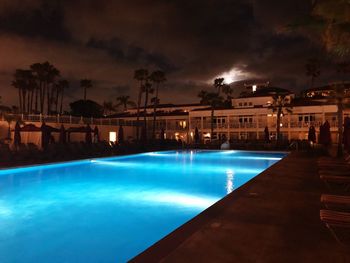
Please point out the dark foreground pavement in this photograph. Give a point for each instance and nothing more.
(273, 218)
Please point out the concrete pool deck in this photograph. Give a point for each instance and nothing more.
(272, 218)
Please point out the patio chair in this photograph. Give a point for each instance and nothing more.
(335, 201)
(334, 219)
(337, 180)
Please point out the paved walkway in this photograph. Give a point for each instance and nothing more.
(273, 218)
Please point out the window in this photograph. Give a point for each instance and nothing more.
(250, 103)
(245, 104)
(112, 136)
(240, 104)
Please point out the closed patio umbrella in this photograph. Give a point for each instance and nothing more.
(267, 134)
(325, 134)
(346, 134)
(196, 135)
(88, 138)
(17, 135)
(312, 134)
(162, 136)
(96, 134)
(63, 137)
(45, 136)
(120, 134)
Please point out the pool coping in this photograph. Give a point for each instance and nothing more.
(174, 239)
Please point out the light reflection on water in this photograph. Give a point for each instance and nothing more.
(111, 209)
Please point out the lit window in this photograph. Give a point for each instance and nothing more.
(254, 88)
(112, 136)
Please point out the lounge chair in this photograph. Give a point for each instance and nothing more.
(335, 219)
(336, 179)
(335, 200)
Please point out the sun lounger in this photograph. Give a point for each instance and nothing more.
(335, 200)
(335, 219)
(336, 179)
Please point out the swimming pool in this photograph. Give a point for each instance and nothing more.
(111, 209)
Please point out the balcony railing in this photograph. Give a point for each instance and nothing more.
(262, 125)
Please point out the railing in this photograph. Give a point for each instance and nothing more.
(71, 120)
(262, 125)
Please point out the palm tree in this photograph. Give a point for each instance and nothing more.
(140, 75)
(45, 75)
(61, 85)
(157, 77)
(52, 74)
(280, 104)
(147, 89)
(218, 84)
(227, 90)
(125, 102)
(108, 108)
(313, 70)
(214, 100)
(85, 84)
(24, 82)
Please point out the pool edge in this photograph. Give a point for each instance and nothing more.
(174, 239)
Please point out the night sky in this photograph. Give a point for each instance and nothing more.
(192, 41)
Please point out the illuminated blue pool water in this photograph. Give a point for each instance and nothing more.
(111, 209)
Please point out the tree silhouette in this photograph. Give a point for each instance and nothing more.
(85, 84)
(61, 86)
(108, 108)
(218, 84)
(147, 89)
(140, 75)
(280, 105)
(125, 102)
(213, 100)
(312, 70)
(157, 77)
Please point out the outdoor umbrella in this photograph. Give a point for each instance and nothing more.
(196, 135)
(17, 135)
(325, 134)
(312, 134)
(120, 134)
(327, 129)
(63, 137)
(96, 135)
(162, 135)
(88, 138)
(346, 134)
(267, 134)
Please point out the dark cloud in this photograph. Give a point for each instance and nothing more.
(45, 20)
(193, 41)
(121, 51)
